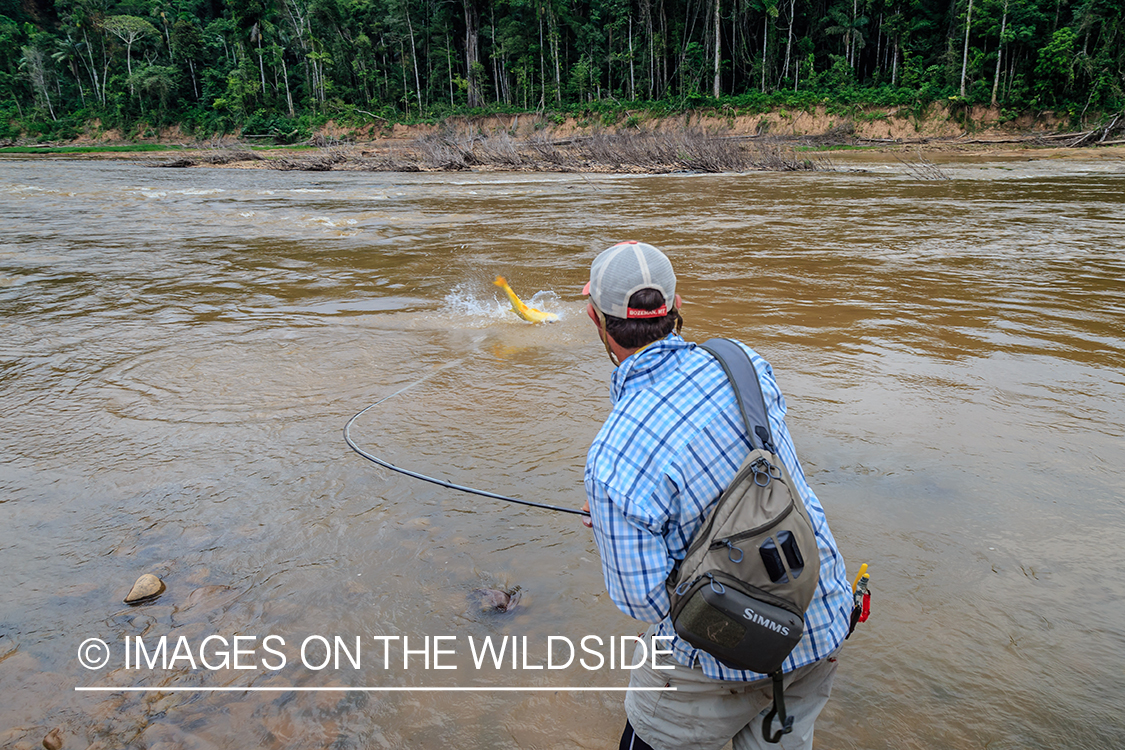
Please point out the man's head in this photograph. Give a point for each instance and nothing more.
(632, 292)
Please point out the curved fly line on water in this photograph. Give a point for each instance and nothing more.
(434, 480)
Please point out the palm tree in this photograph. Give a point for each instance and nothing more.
(850, 28)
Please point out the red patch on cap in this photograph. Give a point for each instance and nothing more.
(659, 312)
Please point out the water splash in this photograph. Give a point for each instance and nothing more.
(468, 301)
(463, 301)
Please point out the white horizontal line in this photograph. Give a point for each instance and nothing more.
(100, 689)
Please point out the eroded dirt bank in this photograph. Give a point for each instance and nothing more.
(712, 141)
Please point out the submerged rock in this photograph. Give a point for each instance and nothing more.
(54, 739)
(496, 600)
(147, 587)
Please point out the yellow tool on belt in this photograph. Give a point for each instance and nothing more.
(861, 599)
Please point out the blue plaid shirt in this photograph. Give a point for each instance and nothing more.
(671, 445)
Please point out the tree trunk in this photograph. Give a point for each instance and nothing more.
(852, 33)
(542, 62)
(37, 72)
(553, 30)
(789, 41)
(965, 55)
(765, 39)
(261, 63)
(632, 74)
(497, 63)
(999, 53)
(414, 57)
(405, 86)
(878, 43)
(472, 51)
(449, 62)
(105, 72)
(288, 93)
(93, 68)
(651, 58)
(715, 87)
(167, 37)
(665, 79)
(894, 65)
(608, 66)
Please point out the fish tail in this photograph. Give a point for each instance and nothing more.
(517, 303)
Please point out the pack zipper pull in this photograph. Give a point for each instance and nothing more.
(762, 468)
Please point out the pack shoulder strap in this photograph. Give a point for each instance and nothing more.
(743, 376)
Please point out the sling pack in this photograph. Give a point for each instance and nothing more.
(751, 570)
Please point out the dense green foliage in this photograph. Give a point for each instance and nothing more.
(279, 68)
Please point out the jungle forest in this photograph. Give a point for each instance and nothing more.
(280, 67)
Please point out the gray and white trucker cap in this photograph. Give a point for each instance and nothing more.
(625, 268)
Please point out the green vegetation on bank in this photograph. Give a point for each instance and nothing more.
(87, 149)
(280, 69)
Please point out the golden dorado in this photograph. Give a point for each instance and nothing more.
(522, 310)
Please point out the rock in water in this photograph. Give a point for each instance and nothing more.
(53, 740)
(495, 600)
(147, 587)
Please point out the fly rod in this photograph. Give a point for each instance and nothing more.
(434, 480)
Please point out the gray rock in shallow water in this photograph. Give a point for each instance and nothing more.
(495, 600)
(147, 587)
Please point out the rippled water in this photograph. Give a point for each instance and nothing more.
(181, 348)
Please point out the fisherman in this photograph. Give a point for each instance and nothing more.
(670, 446)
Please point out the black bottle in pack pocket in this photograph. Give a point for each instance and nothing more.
(771, 558)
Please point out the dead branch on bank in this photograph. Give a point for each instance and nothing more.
(923, 169)
(323, 162)
(229, 157)
(1098, 136)
(687, 151)
(632, 151)
(225, 156)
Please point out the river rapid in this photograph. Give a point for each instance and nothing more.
(180, 350)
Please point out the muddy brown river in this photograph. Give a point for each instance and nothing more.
(180, 350)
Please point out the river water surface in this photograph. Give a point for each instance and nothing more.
(180, 350)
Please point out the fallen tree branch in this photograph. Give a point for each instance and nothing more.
(370, 114)
(1102, 133)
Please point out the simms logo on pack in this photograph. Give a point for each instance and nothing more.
(757, 619)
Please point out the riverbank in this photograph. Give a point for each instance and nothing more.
(711, 141)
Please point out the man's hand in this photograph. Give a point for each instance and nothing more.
(586, 520)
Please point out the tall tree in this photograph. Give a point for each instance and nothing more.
(965, 56)
(999, 52)
(34, 65)
(718, 46)
(473, 65)
(130, 30)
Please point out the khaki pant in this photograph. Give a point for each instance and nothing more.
(705, 713)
